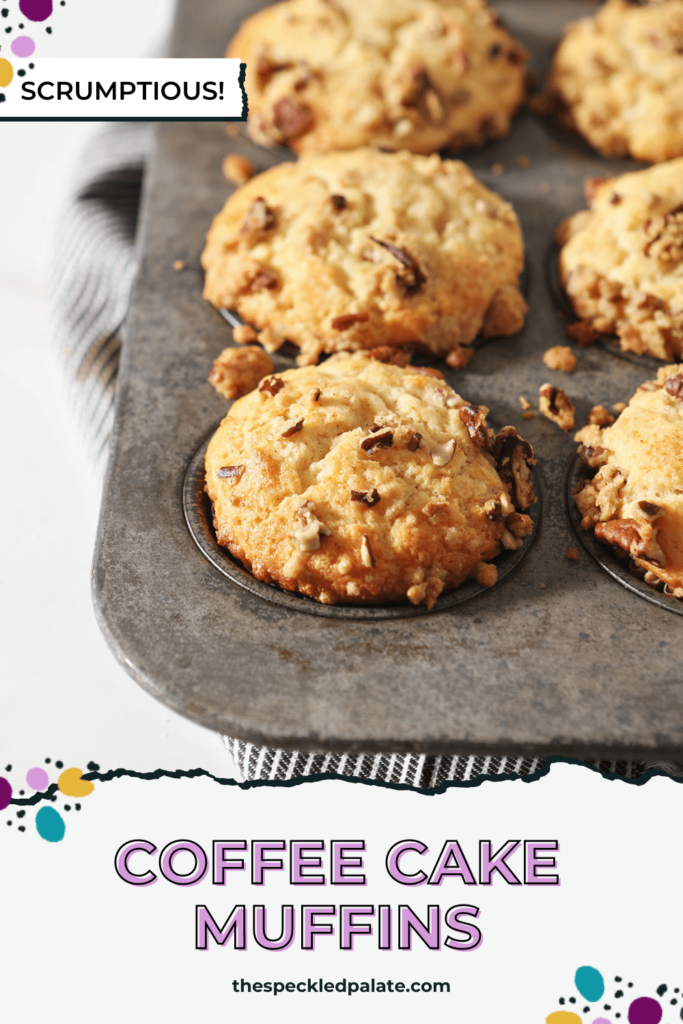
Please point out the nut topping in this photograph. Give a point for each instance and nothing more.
(673, 386)
(411, 278)
(259, 219)
(291, 119)
(475, 421)
(427, 371)
(366, 555)
(387, 354)
(383, 438)
(368, 498)
(634, 537)
(413, 442)
(271, 385)
(650, 510)
(342, 323)
(315, 394)
(459, 357)
(339, 202)
(264, 279)
(231, 473)
(443, 453)
(513, 457)
(556, 406)
(293, 427)
(593, 457)
(494, 511)
(307, 537)
(600, 416)
(519, 525)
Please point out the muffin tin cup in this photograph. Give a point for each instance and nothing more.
(199, 520)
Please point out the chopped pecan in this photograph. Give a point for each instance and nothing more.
(264, 279)
(366, 555)
(514, 456)
(415, 85)
(650, 510)
(271, 385)
(387, 354)
(459, 357)
(623, 533)
(258, 220)
(293, 427)
(383, 438)
(519, 525)
(593, 457)
(368, 498)
(413, 442)
(266, 67)
(231, 473)
(342, 323)
(616, 199)
(307, 536)
(315, 394)
(475, 421)
(443, 453)
(582, 333)
(556, 406)
(673, 386)
(599, 416)
(411, 278)
(292, 119)
(339, 202)
(494, 510)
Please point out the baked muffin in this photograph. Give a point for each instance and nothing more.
(635, 500)
(622, 261)
(410, 74)
(351, 250)
(363, 482)
(617, 78)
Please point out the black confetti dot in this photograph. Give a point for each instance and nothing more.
(54, 799)
(661, 990)
(673, 1002)
(21, 792)
(21, 814)
(607, 1006)
(617, 1015)
(676, 990)
(67, 807)
(49, 31)
(5, 12)
(8, 768)
(92, 767)
(59, 764)
(8, 29)
(2, 97)
(21, 828)
(630, 984)
(9, 822)
(31, 66)
(617, 979)
(561, 1000)
(21, 72)
(21, 26)
(571, 999)
(47, 760)
(586, 1009)
(618, 994)
(78, 807)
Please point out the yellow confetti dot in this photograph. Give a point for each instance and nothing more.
(563, 1017)
(71, 784)
(6, 73)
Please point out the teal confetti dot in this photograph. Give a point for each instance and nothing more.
(50, 825)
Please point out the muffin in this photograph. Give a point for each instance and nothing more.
(617, 78)
(635, 500)
(621, 262)
(358, 482)
(343, 251)
(412, 74)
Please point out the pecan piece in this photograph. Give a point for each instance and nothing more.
(475, 421)
(622, 533)
(342, 323)
(339, 202)
(264, 279)
(413, 442)
(556, 406)
(494, 510)
(366, 555)
(383, 438)
(368, 498)
(231, 473)
(427, 371)
(258, 221)
(443, 453)
(290, 118)
(271, 385)
(293, 427)
(411, 278)
(673, 386)
(595, 457)
(387, 354)
(459, 357)
(514, 456)
(650, 510)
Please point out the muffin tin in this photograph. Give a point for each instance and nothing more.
(557, 658)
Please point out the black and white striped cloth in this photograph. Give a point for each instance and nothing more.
(94, 267)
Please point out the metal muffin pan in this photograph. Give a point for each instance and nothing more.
(559, 658)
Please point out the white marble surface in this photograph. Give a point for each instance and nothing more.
(62, 695)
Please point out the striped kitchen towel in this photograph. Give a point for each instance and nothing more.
(94, 267)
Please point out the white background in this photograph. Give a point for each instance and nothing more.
(78, 945)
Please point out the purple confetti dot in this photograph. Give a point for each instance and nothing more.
(23, 46)
(5, 793)
(644, 1011)
(37, 778)
(36, 10)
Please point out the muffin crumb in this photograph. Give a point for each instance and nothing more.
(238, 169)
(560, 357)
